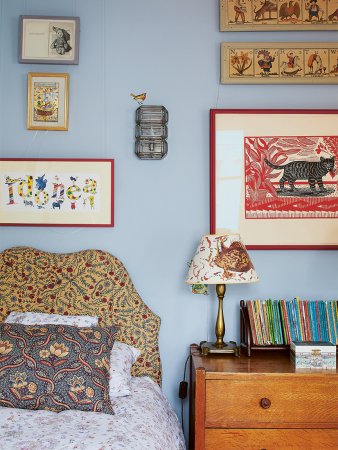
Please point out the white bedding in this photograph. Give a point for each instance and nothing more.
(143, 420)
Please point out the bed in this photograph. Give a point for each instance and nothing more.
(90, 283)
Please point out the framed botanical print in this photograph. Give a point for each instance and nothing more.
(49, 40)
(47, 101)
(273, 177)
(279, 63)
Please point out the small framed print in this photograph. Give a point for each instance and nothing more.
(47, 101)
(57, 192)
(49, 40)
(279, 63)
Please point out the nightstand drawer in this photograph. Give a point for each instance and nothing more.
(272, 401)
(237, 439)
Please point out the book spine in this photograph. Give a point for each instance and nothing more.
(252, 321)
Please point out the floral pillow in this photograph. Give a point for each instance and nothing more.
(123, 356)
(35, 318)
(55, 367)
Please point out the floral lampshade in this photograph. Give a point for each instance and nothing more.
(221, 260)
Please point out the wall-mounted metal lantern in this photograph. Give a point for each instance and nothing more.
(151, 132)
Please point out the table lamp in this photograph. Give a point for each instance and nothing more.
(221, 260)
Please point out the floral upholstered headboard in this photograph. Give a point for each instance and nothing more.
(90, 282)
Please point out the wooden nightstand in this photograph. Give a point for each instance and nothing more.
(261, 402)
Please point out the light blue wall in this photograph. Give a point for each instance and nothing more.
(170, 49)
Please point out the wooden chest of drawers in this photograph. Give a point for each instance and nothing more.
(261, 402)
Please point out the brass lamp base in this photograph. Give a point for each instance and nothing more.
(211, 347)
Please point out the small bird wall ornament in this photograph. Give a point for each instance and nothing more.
(139, 98)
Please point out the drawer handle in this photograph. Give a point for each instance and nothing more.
(265, 403)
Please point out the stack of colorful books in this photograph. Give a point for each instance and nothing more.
(279, 322)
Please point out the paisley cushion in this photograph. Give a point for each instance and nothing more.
(123, 356)
(55, 367)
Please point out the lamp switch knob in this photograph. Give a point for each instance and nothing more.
(183, 389)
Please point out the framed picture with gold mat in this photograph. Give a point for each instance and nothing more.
(47, 101)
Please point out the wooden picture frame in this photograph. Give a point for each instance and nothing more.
(47, 101)
(279, 63)
(57, 192)
(271, 206)
(278, 15)
(49, 39)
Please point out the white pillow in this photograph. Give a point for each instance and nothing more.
(122, 356)
(34, 318)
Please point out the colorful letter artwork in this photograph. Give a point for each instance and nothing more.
(56, 192)
(291, 177)
(67, 192)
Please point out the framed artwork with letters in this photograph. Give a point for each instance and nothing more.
(57, 192)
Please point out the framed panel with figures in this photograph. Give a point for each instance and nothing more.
(279, 63)
(274, 15)
(274, 178)
(57, 192)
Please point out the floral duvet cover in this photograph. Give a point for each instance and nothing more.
(143, 420)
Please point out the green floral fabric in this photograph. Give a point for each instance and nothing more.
(55, 367)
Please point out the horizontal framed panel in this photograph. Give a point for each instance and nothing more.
(278, 15)
(279, 63)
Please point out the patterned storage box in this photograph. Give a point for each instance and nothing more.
(313, 355)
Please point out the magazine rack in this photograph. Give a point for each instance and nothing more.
(246, 341)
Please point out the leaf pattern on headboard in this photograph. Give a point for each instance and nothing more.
(90, 282)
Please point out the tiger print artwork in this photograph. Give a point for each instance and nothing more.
(312, 171)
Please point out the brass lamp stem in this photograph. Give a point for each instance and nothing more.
(219, 328)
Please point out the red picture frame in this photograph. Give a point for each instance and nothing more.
(273, 206)
(57, 192)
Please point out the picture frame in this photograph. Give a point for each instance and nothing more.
(49, 39)
(278, 15)
(57, 192)
(271, 206)
(47, 101)
(279, 63)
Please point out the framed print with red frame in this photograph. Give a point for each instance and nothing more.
(57, 192)
(273, 177)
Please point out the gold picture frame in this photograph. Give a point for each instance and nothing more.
(47, 101)
(279, 63)
(278, 15)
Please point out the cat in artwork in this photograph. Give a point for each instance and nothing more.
(313, 171)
